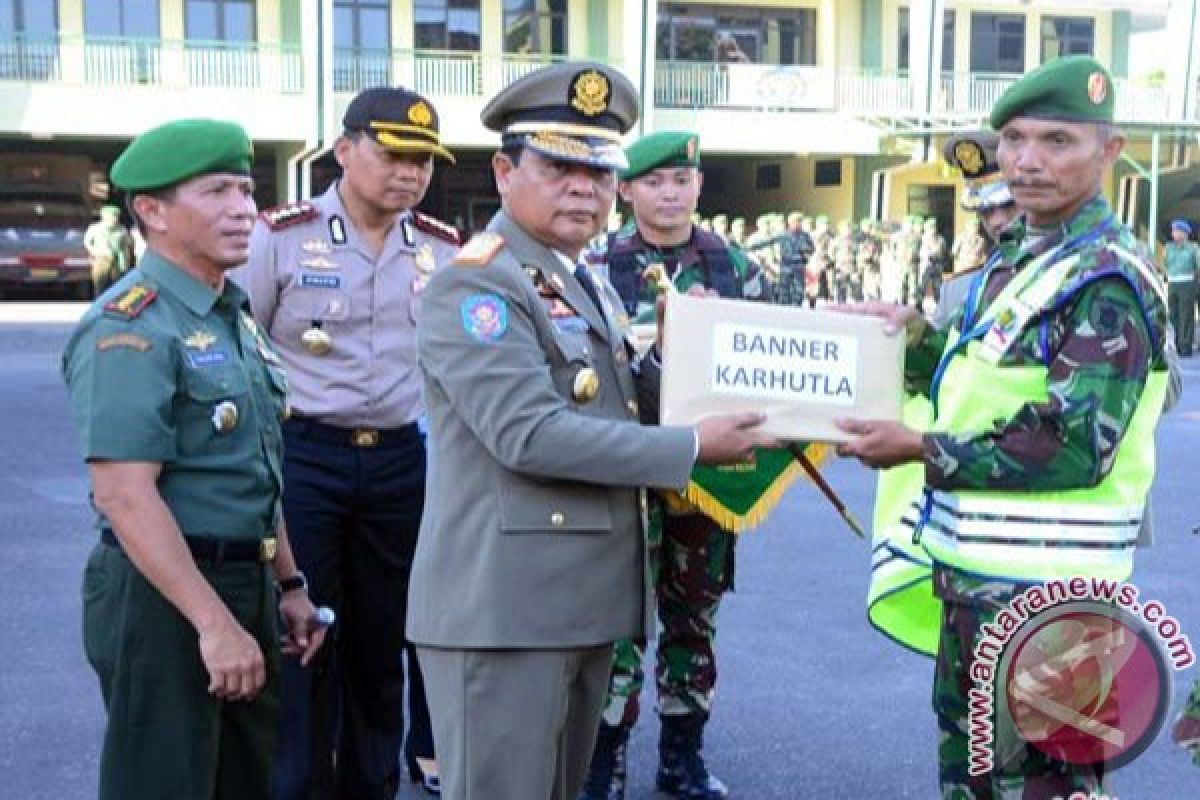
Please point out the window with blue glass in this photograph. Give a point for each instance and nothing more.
(362, 40)
(446, 24)
(219, 20)
(28, 40)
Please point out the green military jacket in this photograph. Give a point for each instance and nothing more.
(163, 368)
(1182, 262)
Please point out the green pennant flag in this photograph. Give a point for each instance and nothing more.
(740, 496)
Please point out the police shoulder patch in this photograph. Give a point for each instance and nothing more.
(133, 302)
(435, 227)
(287, 215)
(479, 251)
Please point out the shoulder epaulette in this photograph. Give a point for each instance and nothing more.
(289, 214)
(435, 227)
(479, 251)
(133, 302)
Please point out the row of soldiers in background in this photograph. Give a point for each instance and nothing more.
(804, 260)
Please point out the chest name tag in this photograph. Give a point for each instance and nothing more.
(321, 281)
(206, 358)
(570, 324)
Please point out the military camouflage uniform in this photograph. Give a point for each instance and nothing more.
(845, 249)
(795, 248)
(694, 564)
(1098, 353)
(1191, 709)
(866, 260)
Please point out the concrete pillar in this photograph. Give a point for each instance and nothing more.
(925, 52)
(1180, 34)
(71, 41)
(491, 45)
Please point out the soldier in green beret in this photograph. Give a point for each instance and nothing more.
(178, 399)
(1046, 389)
(693, 555)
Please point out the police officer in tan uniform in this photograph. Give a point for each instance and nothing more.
(532, 559)
(337, 283)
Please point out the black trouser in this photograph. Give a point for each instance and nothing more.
(1181, 299)
(352, 515)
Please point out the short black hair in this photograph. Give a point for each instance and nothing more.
(166, 193)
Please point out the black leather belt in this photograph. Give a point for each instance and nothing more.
(206, 548)
(310, 430)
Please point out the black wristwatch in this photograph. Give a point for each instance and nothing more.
(297, 581)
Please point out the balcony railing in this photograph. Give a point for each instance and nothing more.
(695, 85)
(438, 73)
(154, 62)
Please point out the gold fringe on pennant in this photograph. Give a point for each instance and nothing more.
(696, 498)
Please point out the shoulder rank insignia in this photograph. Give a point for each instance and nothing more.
(435, 227)
(288, 214)
(133, 302)
(480, 251)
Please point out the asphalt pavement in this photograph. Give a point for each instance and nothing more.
(811, 702)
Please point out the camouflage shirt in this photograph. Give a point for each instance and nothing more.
(1097, 347)
(684, 263)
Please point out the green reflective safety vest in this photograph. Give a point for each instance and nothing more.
(1009, 535)
(900, 600)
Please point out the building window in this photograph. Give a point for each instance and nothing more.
(737, 34)
(446, 25)
(28, 40)
(362, 43)
(997, 42)
(219, 20)
(35, 20)
(362, 25)
(903, 45)
(827, 172)
(125, 18)
(768, 176)
(1067, 36)
(535, 27)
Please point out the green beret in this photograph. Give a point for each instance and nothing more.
(176, 151)
(1073, 89)
(661, 149)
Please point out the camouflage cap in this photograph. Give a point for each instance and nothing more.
(400, 120)
(575, 111)
(1072, 88)
(176, 151)
(661, 149)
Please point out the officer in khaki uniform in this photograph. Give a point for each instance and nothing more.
(337, 284)
(178, 399)
(532, 555)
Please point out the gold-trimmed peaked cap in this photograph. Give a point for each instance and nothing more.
(398, 119)
(974, 154)
(575, 111)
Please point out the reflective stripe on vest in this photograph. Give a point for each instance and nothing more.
(901, 603)
(1035, 535)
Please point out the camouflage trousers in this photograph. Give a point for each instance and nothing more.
(692, 568)
(1022, 772)
(1192, 709)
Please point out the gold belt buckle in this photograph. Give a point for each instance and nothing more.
(365, 437)
(267, 549)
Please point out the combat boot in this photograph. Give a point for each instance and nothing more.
(606, 777)
(681, 769)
